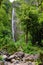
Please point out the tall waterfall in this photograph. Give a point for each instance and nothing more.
(13, 24)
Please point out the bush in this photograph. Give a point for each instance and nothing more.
(1, 58)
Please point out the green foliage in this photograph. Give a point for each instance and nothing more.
(5, 26)
(31, 21)
(9, 47)
(28, 48)
(1, 58)
(28, 17)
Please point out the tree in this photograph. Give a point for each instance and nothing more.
(28, 17)
(41, 29)
(5, 23)
(1, 1)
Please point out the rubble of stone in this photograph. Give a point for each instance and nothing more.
(20, 58)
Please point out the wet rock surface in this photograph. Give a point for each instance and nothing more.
(20, 58)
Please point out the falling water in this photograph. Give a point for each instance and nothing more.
(13, 24)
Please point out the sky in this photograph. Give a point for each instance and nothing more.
(11, 0)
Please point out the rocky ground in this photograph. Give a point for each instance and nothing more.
(19, 58)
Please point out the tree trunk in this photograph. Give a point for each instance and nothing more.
(26, 36)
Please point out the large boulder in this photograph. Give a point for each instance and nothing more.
(28, 58)
(20, 54)
(1, 63)
(31, 57)
(4, 56)
(16, 56)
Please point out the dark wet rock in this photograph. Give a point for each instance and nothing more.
(11, 57)
(8, 60)
(41, 64)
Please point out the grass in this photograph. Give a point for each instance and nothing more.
(21, 46)
(28, 48)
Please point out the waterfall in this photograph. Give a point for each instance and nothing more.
(13, 24)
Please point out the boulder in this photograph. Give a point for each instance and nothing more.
(33, 63)
(20, 54)
(5, 63)
(16, 62)
(1, 63)
(41, 64)
(22, 63)
(31, 57)
(36, 56)
(16, 56)
(12, 60)
(11, 57)
(4, 56)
